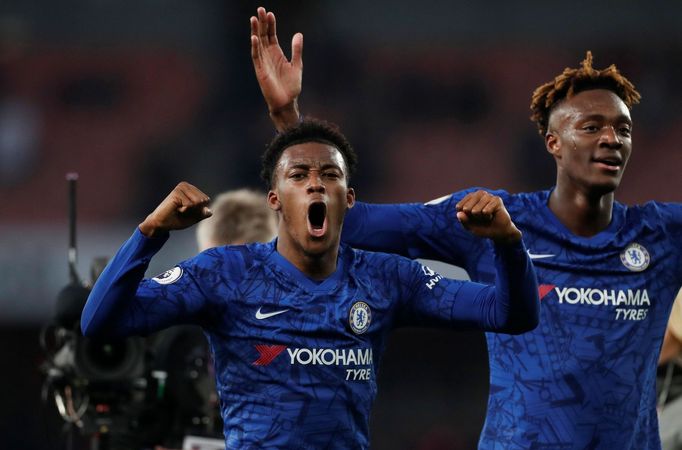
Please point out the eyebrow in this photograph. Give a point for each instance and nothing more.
(307, 166)
(619, 118)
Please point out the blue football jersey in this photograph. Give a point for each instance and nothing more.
(585, 377)
(296, 358)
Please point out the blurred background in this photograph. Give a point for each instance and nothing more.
(434, 95)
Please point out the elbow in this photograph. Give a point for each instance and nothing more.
(90, 329)
(521, 323)
(521, 326)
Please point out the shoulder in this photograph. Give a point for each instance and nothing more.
(234, 258)
(382, 265)
(653, 214)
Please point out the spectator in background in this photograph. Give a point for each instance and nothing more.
(239, 217)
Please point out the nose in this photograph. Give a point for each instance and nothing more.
(609, 137)
(315, 183)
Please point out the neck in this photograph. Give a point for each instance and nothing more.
(317, 266)
(583, 214)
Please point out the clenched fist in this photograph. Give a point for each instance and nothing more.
(182, 208)
(484, 215)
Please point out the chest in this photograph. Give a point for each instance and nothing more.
(343, 314)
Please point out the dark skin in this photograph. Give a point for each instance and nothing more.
(182, 208)
(280, 82)
(588, 134)
(315, 173)
(306, 174)
(590, 137)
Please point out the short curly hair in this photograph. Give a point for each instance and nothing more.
(307, 130)
(573, 81)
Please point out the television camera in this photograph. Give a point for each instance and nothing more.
(134, 393)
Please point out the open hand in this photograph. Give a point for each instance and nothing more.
(279, 79)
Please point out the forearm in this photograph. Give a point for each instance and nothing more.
(517, 304)
(376, 228)
(114, 292)
(285, 117)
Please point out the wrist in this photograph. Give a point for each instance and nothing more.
(285, 117)
(510, 240)
(149, 228)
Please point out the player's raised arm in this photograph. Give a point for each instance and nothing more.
(121, 303)
(510, 306)
(182, 208)
(279, 79)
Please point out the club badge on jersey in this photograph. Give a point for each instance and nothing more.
(635, 257)
(360, 317)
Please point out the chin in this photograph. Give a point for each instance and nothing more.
(317, 246)
(606, 187)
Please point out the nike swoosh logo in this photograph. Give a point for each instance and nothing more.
(261, 316)
(539, 255)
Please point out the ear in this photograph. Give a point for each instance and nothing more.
(273, 201)
(350, 197)
(553, 144)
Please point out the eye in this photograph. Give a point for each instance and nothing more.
(297, 176)
(331, 175)
(625, 131)
(591, 128)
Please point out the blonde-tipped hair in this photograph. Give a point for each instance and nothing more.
(239, 217)
(573, 81)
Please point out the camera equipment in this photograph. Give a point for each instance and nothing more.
(129, 393)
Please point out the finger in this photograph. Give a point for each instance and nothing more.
(191, 197)
(255, 51)
(253, 22)
(297, 51)
(468, 202)
(492, 206)
(463, 218)
(272, 29)
(195, 195)
(183, 200)
(481, 203)
(262, 25)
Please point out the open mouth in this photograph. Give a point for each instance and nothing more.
(317, 219)
(610, 163)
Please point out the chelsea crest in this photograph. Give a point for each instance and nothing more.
(635, 257)
(360, 317)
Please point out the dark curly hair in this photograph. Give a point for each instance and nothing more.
(307, 130)
(573, 81)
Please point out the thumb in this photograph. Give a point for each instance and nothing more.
(462, 217)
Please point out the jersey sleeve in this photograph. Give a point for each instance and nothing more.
(415, 230)
(510, 306)
(122, 303)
